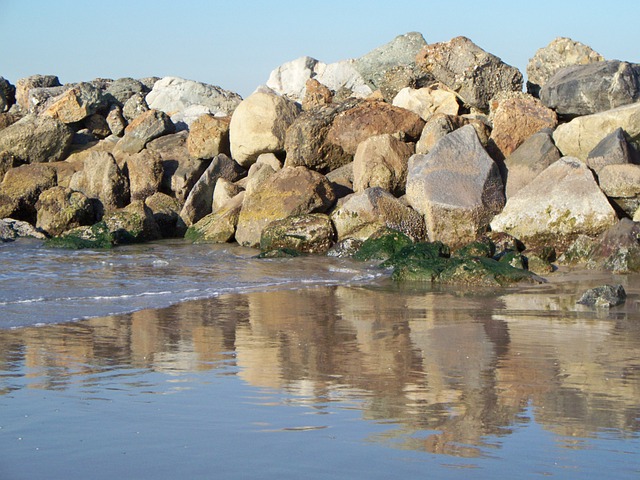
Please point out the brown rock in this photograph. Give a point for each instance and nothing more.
(60, 209)
(145, 174)
(166, 213)
(316, 94)
(35, 139)
(23, 86)
(144, 128)
(220, 226)
(307, 233)
(209, 136)
(20, 189)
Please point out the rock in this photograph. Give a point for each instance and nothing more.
(7, 95)
(209, 136)
(605, 296)
(9, 118)
(360, 214)
(596, 87)
(427, 101)
(612, 150)
(135, 106)
(525, 163)
(342, 180)
(76, 104)
(620, 180)
(290, 191)
(145, 174)
(316, 95)
(60, 209)
(200, 200)
(371, 118)
(382, 245)
(20, 189)
(343, 80)
(345, 248)
(392, 66)
(306, 233)
(132, 224)
(560, 53)
(116, 121)
(36, 139)
(102, 181)
(7, 162)
(166, 213)
(144, 128)
(562, 202)
(515, 119)
(475, 75)
(581, 135)
(121, 90)
(220, 226)
(223, 192)
(290, 79)
(23, 86)
(39, 99)
(382, 161)
(457, 187)
(258, 174)
(11, 230)
(172, 94)
(617, 249)
(306, 141)
(97, 126)
(440, 125)
(258, 125)
(97, 236)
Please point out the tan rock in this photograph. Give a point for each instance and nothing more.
(220, 226)
(316, 94)
(145, 174)
(209, 136)
(21, 187)
(428, 101)
(223, 192)
(61, 209)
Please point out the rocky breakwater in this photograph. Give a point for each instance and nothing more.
(432, 145)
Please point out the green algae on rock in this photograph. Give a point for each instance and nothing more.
(382, 245)
(96, 236)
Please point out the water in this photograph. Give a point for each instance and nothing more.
(314, 368)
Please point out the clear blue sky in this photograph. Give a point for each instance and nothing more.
(235, 44)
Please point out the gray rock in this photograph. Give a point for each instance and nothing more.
(36, 139)
(290, 78)
(135, 106)
(587, 89)
(60, 209)
(613, 149)
(307, 233)
(76, 103)
(7, 95)
(120, 91)
(146, 127)
(11, 229)
(24, 85)
(223, 192)
(166, 213)
(605, 296)
(621, 184)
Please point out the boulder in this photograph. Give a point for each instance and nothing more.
(20, 189)
(97, 126)
(596, 87)
(516, 118)
(560, 53)
(132, 224)
(290, 191)
(342, 180)
(166, 213)
(614, 149)
(144, 128)
(258, 125)
(290, 78)
(7, 95)
(440, 125)
(116, 121)
(457, 187)
(102, 181)
(145, 174)
(135, 106)
(9, 118)
(562, 202)
(209, 136)
(172, 94)
(35, 139)
(382, 161)
(200, 200)
(525, 163)
(343, 80)
(121, 90)
(360, 214)
(76, 104)
(7, 162)
(39, 99)
(24, 85)
(11, 230)
(219, 226)
(427, 101)
(60, 209)
(316, 95)
(604, 296)
(306, 233)
(475, 75)
(581, 135)
(223, 192)
(306, 141)
(371, 118)
(96, 236)
(621, 183)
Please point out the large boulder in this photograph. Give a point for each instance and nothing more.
(290, 191)
(145, 174)
(614, 149)
(560, 53)
(7, 95)
(456, 186)
(60, 209)
(382, 161)
(20, 189)
(441, 124)
(477, 76)
(427, 101)
(172, 95)
(219, 226)
(290, 78)
(209, 136)
(35, 139)
(596, 87)
(144, 128)
(24, 85)
(166, 212)
(370, 118)
(621, 183)
(561, 203)
(121, 90)
(343, 80)
(581, 135)
(76, 104)
(361, 214)
(132, 224)
(258, 125)
(306, 233)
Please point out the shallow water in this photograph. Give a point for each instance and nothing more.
(360, 381)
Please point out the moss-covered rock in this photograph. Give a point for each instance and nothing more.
(96, 236)
(382, 245)
(307, 233)
(279, 253)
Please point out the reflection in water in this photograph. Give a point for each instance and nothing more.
(447, 373)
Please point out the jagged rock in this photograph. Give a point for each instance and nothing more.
(121, 90)
(76, 104)
(35, 139)
(371, 118)
(145, 174)
(457, 187)
(7, 95)
(220, 226)
(612, 150)
(307, 233)
(596, 87)
(209, 136)
(621, 183)
(360, 214)
(342, 180)
(382, 161)
(562, 202)
(290, 191)
(440, 125)
(144, 128)
(135, 106)
(604, 296)
(39, 99)
(20, 189)
(560, 53)
(316, 95)
(9, 118)
(525, 163)
(477, 76)
(343, 80)
(427, 101)
(258, 125)
(200, 200)
(116, 121)
(11, 230)
(223, 192)
(290, 78)
(166, 213)
(97, 126)
(60, 209)
(132, 224)
(581, 135)
(23, 86)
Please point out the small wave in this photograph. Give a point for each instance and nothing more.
(27, 300)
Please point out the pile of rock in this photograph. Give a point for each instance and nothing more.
(436, 141)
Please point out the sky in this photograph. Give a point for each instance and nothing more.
(235, 44)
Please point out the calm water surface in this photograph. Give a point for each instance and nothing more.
(354, 382)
